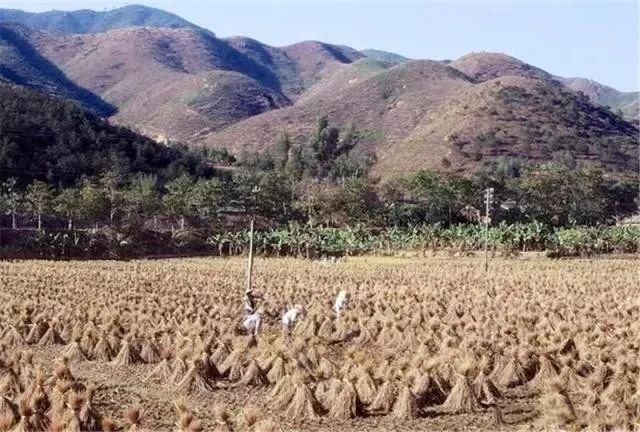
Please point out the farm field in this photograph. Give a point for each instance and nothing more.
(426, 344)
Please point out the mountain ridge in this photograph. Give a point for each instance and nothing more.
(89, 21)
(186, 84)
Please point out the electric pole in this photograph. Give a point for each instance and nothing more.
(488, 200)
(254, 194)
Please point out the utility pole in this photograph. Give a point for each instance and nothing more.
(250, 262)
(254, 194)
(488, 200)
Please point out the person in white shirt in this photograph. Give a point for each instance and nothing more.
(252, 323)
(250, 301)
(290, 317)
(340, 304)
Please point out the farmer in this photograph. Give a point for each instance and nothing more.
(253, 322)
(340, 304)
(290, 317)
(250, 301)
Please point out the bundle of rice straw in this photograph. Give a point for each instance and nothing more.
(196, 380)
(127, 354)
(253, 375)
(462, 398)
(385, 398)
(149, 353)
(547, 372)
(405, 406)
(485, 390)
(102, 350)
(365, 387)
(345, 405)
(555, 405)
(282, 393)
(277, 369)
(303, 405)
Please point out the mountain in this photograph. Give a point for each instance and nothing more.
(21, 64)
(297, 66)
(486, 66)
(88, 21)
(59, 142)
(626, 102)
(166, 82)
(180, 83)
(427, 114)
(384, 56)
(186, 84)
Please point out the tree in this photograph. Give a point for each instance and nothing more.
(111, 182)
(141, 198)
(68, 204)
(11, 200)
(177, 199)
(560, 196)
(283, 147)
(38, 199)
(275, 196)
(360, 201)
(441, 196)
(206, 198)
(93, 202)
(324, 144)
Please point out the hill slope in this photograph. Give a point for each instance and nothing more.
(384, 56)
(485, 66)
(89, 21)
(57, 141)
(627, 102)
(21, 64)
(517, 117)
(169, 82)
(427, 114)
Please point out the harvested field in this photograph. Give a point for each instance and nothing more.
(426, 344)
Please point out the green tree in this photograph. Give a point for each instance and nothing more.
(141, 198)
(275, 199)
(324, 145)
(11, 200)
(560, 196)
(283, 147)
(206, 199)
(441, 196)
(38, 199)
(68, 204)
(111, 182)
(360, 201)
(177, 199)
(93, 202)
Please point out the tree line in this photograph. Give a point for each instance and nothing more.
(550, 194)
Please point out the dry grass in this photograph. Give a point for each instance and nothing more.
(427, 344)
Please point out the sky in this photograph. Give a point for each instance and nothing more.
(592, 39)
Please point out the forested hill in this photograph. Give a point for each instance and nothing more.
(44, 138)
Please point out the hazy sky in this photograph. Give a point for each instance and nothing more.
(596, 39)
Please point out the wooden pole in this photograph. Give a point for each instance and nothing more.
(250, 261)
(488, 197)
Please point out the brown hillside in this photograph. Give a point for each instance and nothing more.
(171, 82)
(297, 66)
(23, 65)
(386, 102)
(517, 117)
(486, 66)
(426, 114)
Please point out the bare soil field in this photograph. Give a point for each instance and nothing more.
(426, 344)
